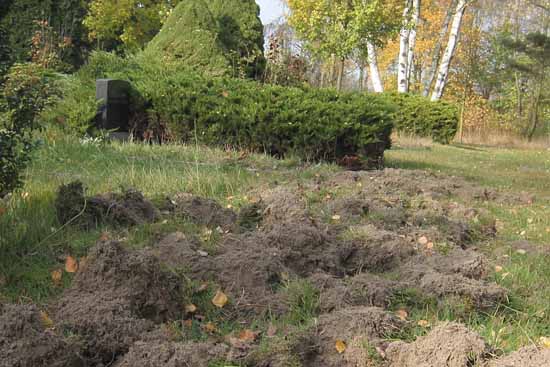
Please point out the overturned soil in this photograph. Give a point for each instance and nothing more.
(361, 245)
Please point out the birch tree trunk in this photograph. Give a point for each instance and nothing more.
(340, 78)
(443, 71)
(373, 66)
(402, 82)
(361, 76)
(429, 79)
(412, 40)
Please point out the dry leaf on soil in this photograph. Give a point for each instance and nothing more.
(191, 308)
(82, 262)
(46, 320)
(545, 341)
(271, 331)
(423, 240)
(188, 323)
(340, 346)
(71, 265)
(402, 314)
(220, 299)
(423, 323)
(56, 276)
(210, 327)
(247, 335)
(203, 287)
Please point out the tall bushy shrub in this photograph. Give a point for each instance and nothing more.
(241, 34)
(215, 37)
(418, 116)
(5, 54)
(29, 88)
(190, 37)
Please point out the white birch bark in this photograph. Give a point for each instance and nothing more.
(402, 82)
(373, 66)
(436, 55)
(443, 71)
(412, 39)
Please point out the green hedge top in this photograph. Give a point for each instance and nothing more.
(314, 124)
(418, 116)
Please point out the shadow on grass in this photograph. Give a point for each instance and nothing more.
(468, 147)
(416, 165)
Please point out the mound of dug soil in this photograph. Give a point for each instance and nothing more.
(203, 211)
(354, 328)
(25, 340)
(373, 241)
(526, 357)
(172, 354)
(450, 345)
(117, 297)
(121, 209)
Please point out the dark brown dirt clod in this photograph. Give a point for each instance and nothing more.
(123, 209)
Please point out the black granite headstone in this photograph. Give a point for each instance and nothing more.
(114, 108)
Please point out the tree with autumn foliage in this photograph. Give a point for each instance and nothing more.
(131, 23)
(333, 30)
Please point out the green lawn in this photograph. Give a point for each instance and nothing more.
(32, 242)
(526, 276)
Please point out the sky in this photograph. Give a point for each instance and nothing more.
(270, 10)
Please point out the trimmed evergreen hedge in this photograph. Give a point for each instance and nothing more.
(314, 124)
(418, 116)
(181, 105)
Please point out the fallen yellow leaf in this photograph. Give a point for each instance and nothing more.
(220, 299)
(340, 346)
(191, 308)
(71, 265)
(56, 276)
(336, 217)
(82, 262)
(430, 245)
(545, 341)
(402, 314)
(423, 240)
(423, 323)
(188, 323)
(46, 320)
(210, 327)
(271, 331)
(498, 268)
(203, 287)
(247, 335)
